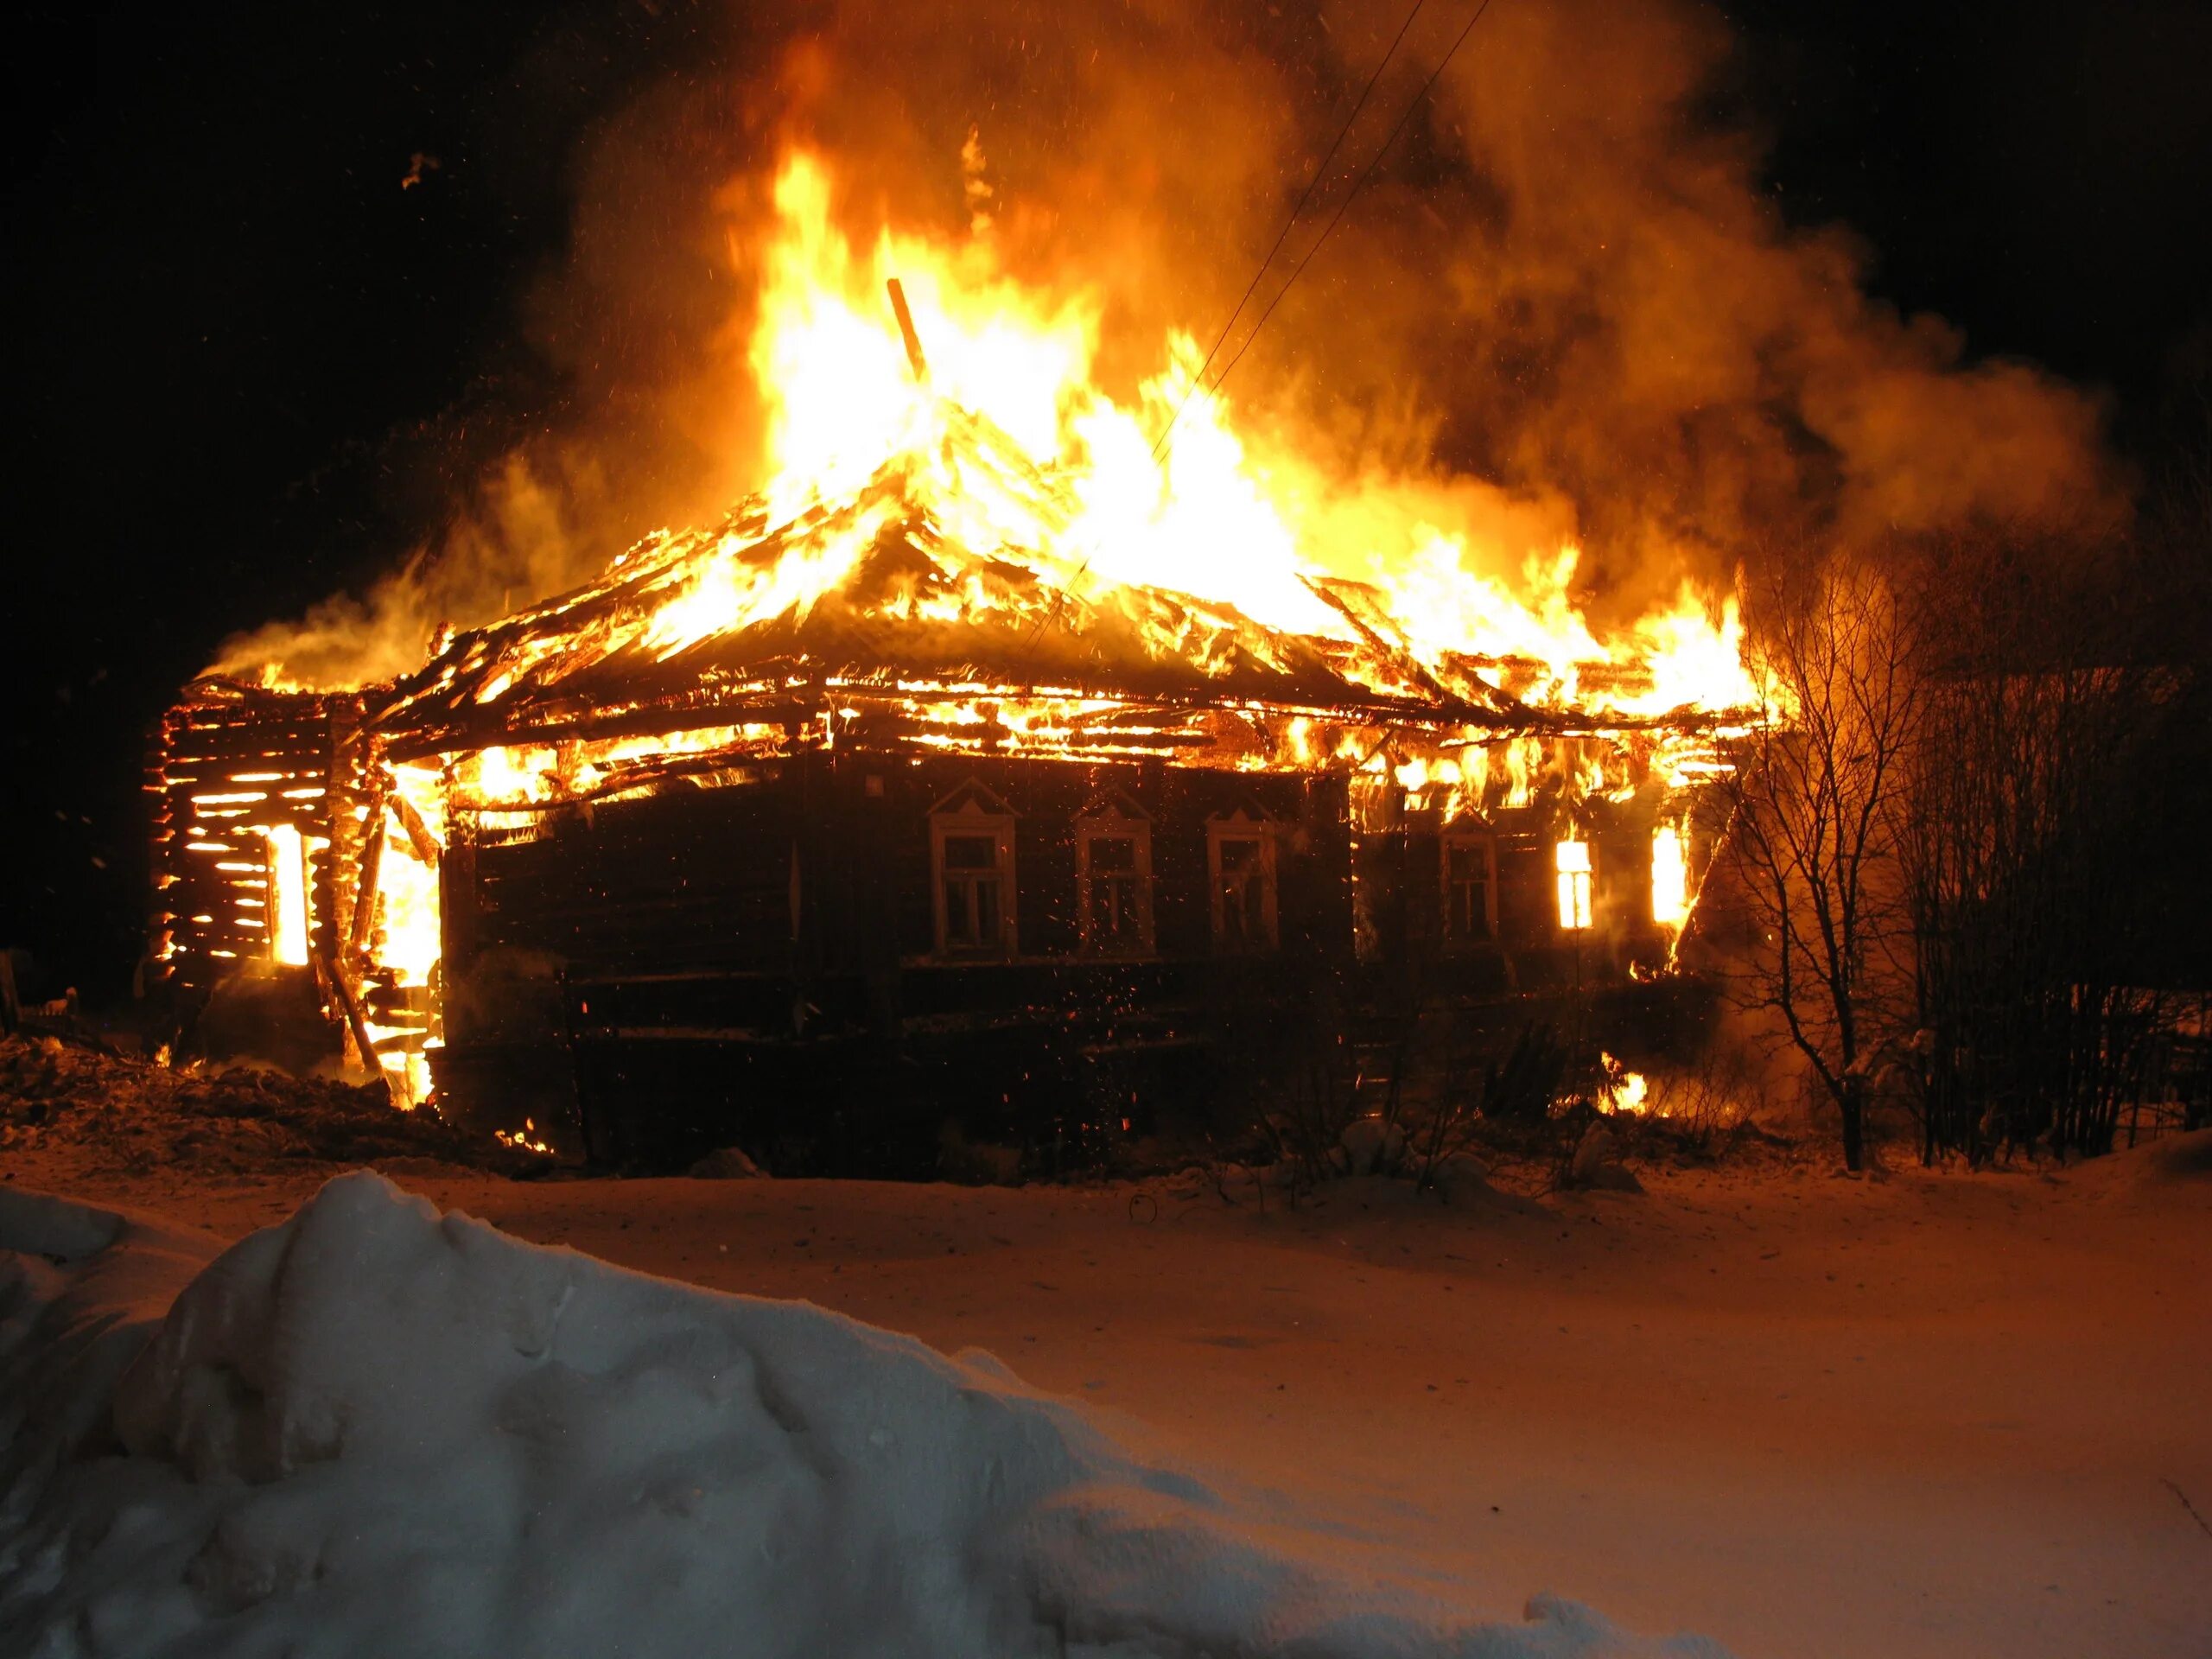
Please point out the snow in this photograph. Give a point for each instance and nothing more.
(377, 1429)
(1918, 1415)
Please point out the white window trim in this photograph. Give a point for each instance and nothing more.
(1241, 826)
(1109, 821)
(970, 819)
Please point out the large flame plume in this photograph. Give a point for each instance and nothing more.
(979, 391)
(1566, 317)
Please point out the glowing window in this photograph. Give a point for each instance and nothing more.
(1571, 859)
(1670, 878)
(287, 894)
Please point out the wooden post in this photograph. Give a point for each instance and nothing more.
(356, 1021)
(361, 931)
(418, 833)
(906, 331)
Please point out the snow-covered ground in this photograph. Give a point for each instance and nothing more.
(1920, 1415)
(376, 1429)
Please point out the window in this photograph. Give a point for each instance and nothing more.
(1470, 886)
(1670, 878)
(971, 858)
(284, 911)
(1571, 859)
(974, 903)
(1241, 867)
(1113, 841)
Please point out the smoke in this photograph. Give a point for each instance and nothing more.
(1690, 361)
(1563, 308)
(516, 542)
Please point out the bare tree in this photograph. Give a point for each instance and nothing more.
(1813, 795)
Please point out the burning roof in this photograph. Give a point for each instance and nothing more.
(698, 625)
(963, 542)
(958, 526)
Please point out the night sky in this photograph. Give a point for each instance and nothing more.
(247, 367)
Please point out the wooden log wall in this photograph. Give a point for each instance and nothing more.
(687, 950)
(818, 868)
(823, 862)
(690, 880)
(224, 767)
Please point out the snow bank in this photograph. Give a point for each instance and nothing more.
(375, 1429)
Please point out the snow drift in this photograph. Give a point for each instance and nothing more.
(375, 1429)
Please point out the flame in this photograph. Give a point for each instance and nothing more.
(408, 937)
(407, 885)
(1622, 1091)
(1695, 660)
(1104, 495)
(525, 1139)
(980, 480)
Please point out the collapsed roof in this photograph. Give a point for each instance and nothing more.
(879, 597)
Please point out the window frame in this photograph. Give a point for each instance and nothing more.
(1244, 825)
(974, 811)
(1581, 884)
(1464, 837)
(1114, 819)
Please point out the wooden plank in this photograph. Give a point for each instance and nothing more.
(418, 833)
(301, 735)
(364, 1047)
(361, 926)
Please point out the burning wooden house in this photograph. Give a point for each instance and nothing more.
(904, 793)
(951, 830)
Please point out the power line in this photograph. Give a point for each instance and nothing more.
(1321, 172)
(1164, 443)
(1351, 196)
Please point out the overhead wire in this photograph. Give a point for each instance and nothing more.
(1321, 172)
(1164, 445)
(1351, 196)
(1161, 444)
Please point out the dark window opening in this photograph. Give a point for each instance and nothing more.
(1241, 893)
(974, 880)
(1467, 890)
